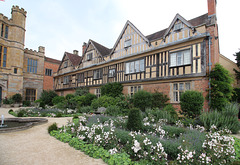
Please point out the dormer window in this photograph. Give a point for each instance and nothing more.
(89, 56)
(65, 64)
(127, 43)
(178, 26)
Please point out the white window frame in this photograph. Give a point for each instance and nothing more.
(178, 89)
(135, 66)
(180, 58)
(65, 79)
(178, 26)
(127, 43)
(97, 74)
(98, 92)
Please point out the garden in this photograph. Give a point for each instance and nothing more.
(144, 128)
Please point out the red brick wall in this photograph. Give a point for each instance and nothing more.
(211, 7)
(48, 80)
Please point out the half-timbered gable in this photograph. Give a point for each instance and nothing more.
(94, 54)
(130, 41)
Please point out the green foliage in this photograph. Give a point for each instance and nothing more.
(134, 122)
(69, 97)
(17, 98)
(47, 97)
(191, 103)
(160, 114)
(103, 101)
(42, 105)
(236, 95)
(85, 109)
(26, 103)
(59, 114)
(171, 148)
(173, 131)
(7, 100)
(221, 87)
(88, 99)
(52, 127)
(113, 110)
(170, 109)
(81, 91)
(112, 89)
(237, 148)
(238, 64)
(223, 119)
(20, 113)
(159, 100)
(58, 99)
(142, 100)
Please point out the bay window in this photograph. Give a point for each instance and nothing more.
(179, 58)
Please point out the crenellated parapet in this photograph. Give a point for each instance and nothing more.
(5, 19)
(40, 52)
(20, 10)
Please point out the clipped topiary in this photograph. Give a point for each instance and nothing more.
(134, 122)
(17, 98)
(191, 103)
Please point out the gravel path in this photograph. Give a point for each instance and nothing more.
(35, 146)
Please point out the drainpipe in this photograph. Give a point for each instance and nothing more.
(209, 65)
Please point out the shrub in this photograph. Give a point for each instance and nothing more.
(52, 127)
(173, 131)
(69, 97)
(26, 103)
(170, 109)
(42, 105)
(112, 89)
(225, 119)
(20, 113)
(81, 91)
(47, 97)
(171, 148)
(10, 111)
(58, 99)
(85, 109)
(103, 101)
(160, 114)
(59, 114)
(236, 95)
(88, 99)
(159, 100)
(134, 122)
(221, 87)
(142, 100)
(191, 103)
(17, 98)
(113, 110)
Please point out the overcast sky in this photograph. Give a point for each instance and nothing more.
(63, 25)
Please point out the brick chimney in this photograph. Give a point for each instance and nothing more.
(212, 7)
(75, 52)
(84, 47)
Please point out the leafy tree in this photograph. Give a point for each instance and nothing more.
(112, 89)
(159, 100)
(221, 89)
(81, 91)
(47, 97)
(191, 103)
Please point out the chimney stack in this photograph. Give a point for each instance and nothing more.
(84, 47)
(75, 52)
(212, 7)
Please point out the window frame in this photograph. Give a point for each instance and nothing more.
(177, 90)
(89, 56)
(130, 66)
(128, 43)
(6, 31)
(80, 77)
(65, 80)
(32, 96)
(65, 65)
(134, 89)
(112, 74)
(4, 57)
(98, 92)
(48, 72)
(98, 73)
(32, 65)
(184, 59)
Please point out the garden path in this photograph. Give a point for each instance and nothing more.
(35, 146)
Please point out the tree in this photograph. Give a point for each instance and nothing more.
(238, 64)
(221, 87)
(112, 89)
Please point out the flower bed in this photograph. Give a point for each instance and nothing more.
(158, 144)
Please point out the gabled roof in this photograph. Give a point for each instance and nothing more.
(102, 50)
(177, 17)
(203, 19)
(128, 23)
(74, 58)
(52, 60)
